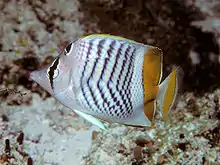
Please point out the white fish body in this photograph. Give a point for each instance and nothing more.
(110, 78)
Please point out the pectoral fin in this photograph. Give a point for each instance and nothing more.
(91, 119)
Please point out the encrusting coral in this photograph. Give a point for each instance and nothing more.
(33, 32)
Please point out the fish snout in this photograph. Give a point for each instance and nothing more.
(40, 77)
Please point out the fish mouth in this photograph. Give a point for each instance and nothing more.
(35, 76)
(32, 75)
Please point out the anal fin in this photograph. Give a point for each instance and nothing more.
(149, 109)
(139, 119)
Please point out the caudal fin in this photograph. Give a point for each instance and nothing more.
(169, 89)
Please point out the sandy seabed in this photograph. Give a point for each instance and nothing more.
(36, 129)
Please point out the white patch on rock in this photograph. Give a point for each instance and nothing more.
(194, 57)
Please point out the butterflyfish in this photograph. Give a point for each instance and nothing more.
(110, 78)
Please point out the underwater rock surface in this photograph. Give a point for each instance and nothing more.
(167, 24)
(36, 129)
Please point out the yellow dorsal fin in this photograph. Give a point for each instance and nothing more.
(109, 36)
(153, 64)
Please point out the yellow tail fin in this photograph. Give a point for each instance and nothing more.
(168, 91)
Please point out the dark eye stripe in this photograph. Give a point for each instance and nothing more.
(68, 48)
(51, 71)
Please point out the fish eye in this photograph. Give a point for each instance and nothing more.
(68, 49)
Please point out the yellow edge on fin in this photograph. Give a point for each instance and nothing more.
(108, 36)
(171, 92)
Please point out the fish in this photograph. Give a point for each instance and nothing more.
(102, 77)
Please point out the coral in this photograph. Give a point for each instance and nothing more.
(16, 81)
(185, 139)
(34, 32)
(14, 153)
